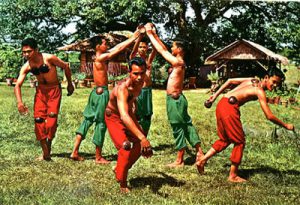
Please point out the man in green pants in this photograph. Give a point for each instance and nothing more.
(94, 111)
(177, 105)
(144, 101)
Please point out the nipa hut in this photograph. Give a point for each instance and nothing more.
(115, 66)
(244, 58)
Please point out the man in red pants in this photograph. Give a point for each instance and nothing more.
(229, 125)
(123, 127)
(48, 92)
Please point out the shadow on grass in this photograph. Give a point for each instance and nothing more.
(247, 173)
(190, 160)
(156, 182)
(163, 147)
(86, 156)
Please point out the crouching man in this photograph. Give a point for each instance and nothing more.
(124, 129)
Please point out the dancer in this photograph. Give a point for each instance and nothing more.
(94, 110)
(124, 129)
(177, 104)
(144, 101)
(229, 126)
(48, 92)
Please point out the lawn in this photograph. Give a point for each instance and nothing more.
(271, 162)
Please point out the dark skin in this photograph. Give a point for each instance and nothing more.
(141, 48)
(175, 80)
(36, 59)
(246, 91)
(101, 79)
(123, 101)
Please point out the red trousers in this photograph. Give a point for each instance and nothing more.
(119, 133)
(230, 130)
(46, 107)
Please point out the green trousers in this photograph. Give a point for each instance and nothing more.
(181, 122)
(145, 108)
(94, 113)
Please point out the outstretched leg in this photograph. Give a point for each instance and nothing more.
(75, 154)
(202, 159)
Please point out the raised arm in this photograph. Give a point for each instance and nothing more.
(21, 107)
(228, 83)
(151, 56)
(161, 48)
(135, 47)
(118, 48)
(268, 113)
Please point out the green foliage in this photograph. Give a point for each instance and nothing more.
(10, 62)
(80, 76)
(213, 76)
(117, 78)
(214, 25)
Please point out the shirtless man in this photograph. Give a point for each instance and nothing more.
(94, 111)
(177, 105)
(48, 92)
(144, 101)
(229, 126)
(124, 129)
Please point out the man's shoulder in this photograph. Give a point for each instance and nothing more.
(48, 55)
(25, 66)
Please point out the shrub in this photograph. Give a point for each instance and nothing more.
(10, 62)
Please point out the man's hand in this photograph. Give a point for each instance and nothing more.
(208, 103)
(290, 127)
(23, 110)
(149, 27)
(146, 148)
(70, 89)
(141, 28)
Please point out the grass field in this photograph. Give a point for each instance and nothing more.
(271, 163)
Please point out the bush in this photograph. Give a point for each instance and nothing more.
(10, 62)
(213, 76)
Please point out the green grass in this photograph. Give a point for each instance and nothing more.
(271, 164)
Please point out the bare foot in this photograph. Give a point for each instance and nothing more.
(124, 190)
(236, 179)
(102, 161)
(175, 164)
(76, 158)
(42, 158)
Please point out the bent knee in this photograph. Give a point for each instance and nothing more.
(39, 120)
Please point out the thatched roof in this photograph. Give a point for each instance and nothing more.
(246, 50)
(112, 38)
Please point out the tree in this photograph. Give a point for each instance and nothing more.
(10, 62)
(217, 23)
(212, 25)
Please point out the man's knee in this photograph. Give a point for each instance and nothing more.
(39, 120)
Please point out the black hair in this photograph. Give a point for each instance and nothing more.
(145, 40)
(137, 61)
(181, 45)
(274, 71)
(94, 41)
(29, 42)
